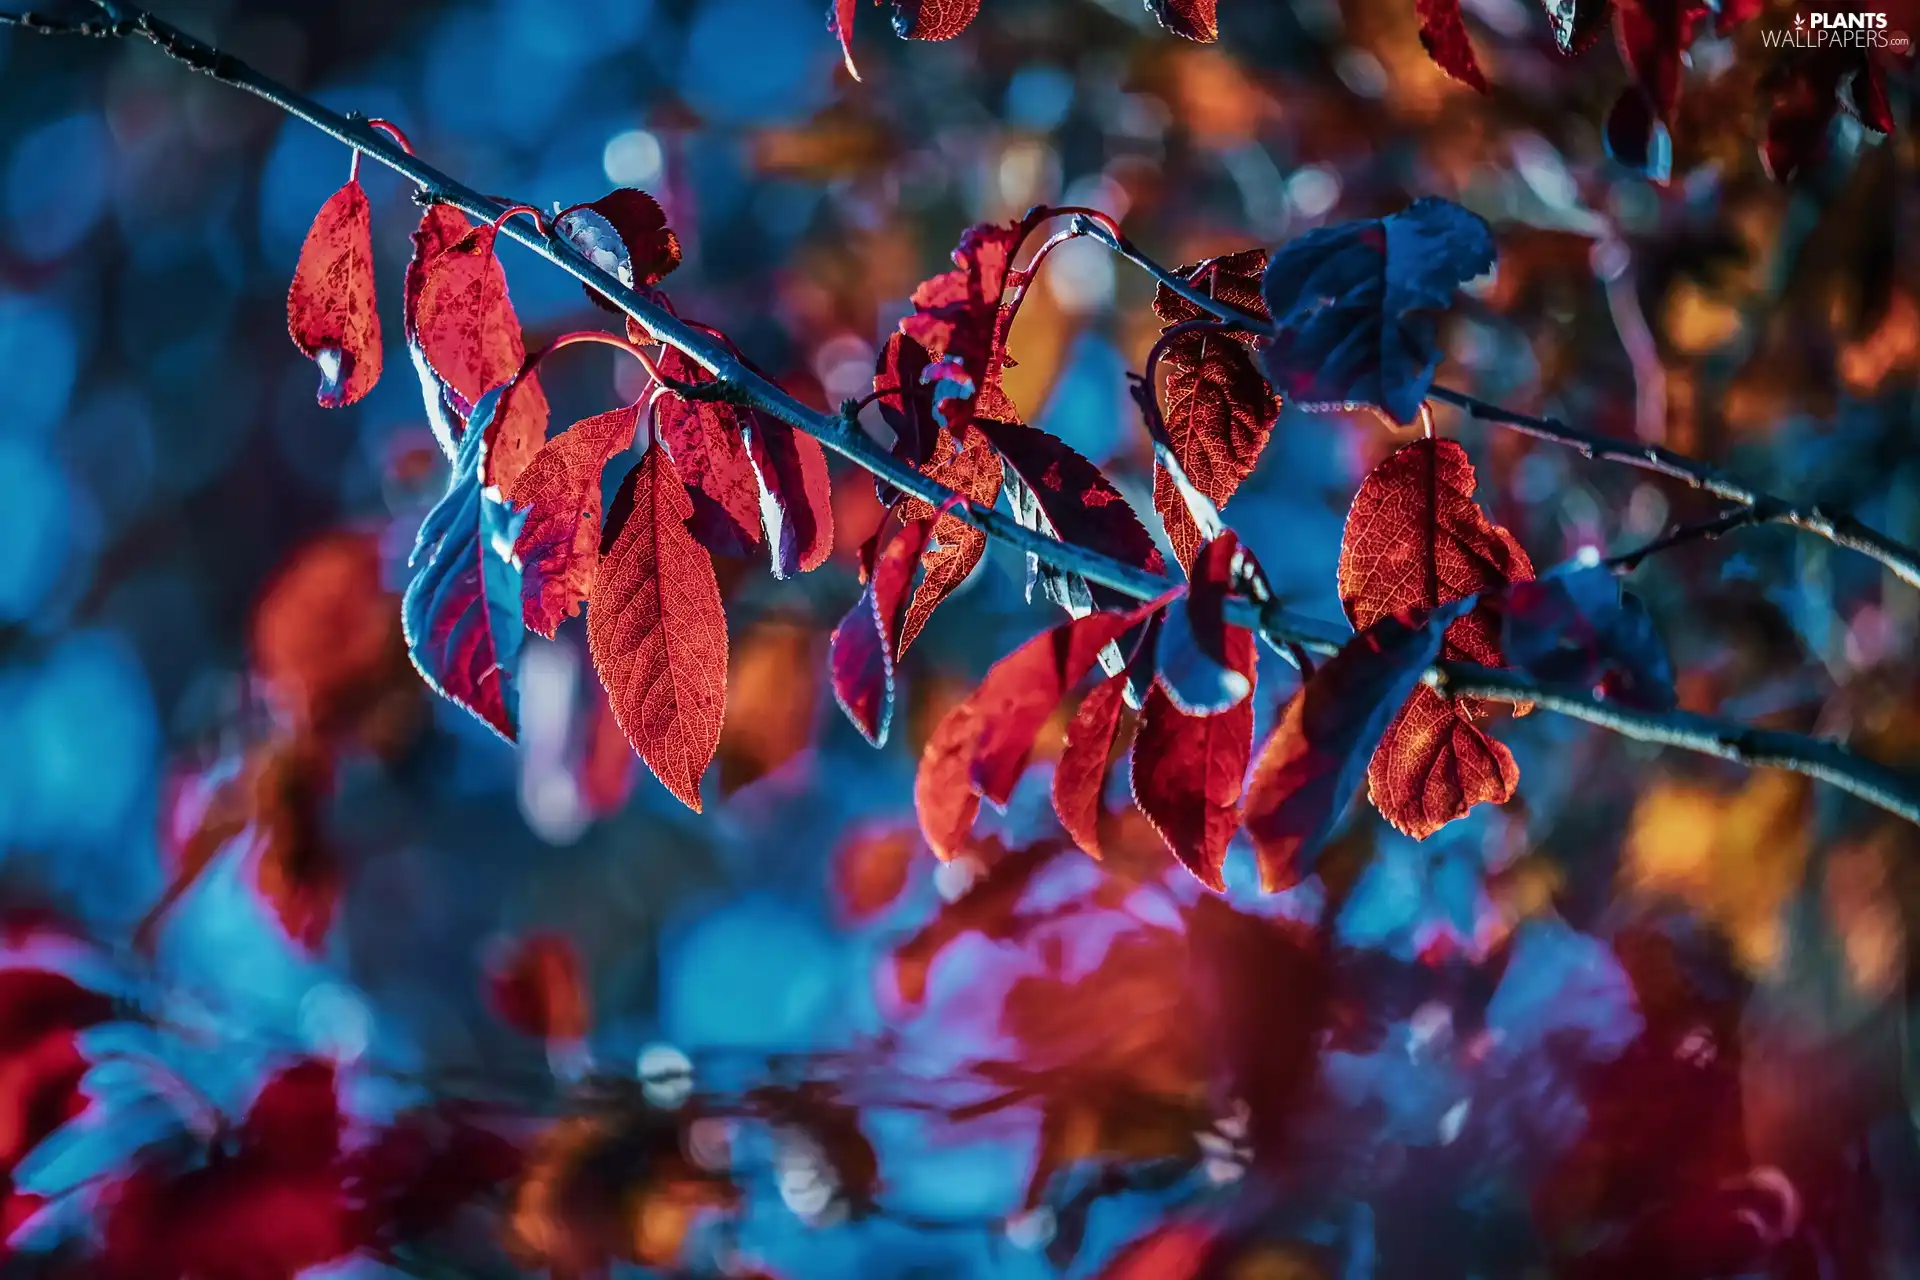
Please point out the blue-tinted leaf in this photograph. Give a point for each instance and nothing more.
(1356, 307)
(1577, 626)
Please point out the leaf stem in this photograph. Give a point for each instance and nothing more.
(1286, 632)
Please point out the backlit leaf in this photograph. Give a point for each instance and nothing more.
(1443, 33)
(1356, 306)
(332, 312)
(708, 443)
(559, 542)
(1219, 409)
(972, 468)
(462, 611)
(958, 314)
(441, 225)
(1187, 770)
(326, 633)
(1080, 777)
(658, 632)
(866, 644)
(796, 494)
(464, 320)
(1194, 19)
(1416, 540)
(933, 19)
(536, 986)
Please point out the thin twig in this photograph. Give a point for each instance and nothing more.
(1285, 632)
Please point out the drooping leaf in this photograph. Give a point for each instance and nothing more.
(625, 234)
(1191, 663)
(1580, 627)
(658, 631)
(1415, 540)
(461, 612)
(866, 644)
(559, 542)
(1314, 761)
(441, 225)
(1443, 33)
(796, 494)
(1356, 306)
(464, 320)
(332, 312)
(933, 19)
(1080, 777)
(1193, 19)
(959, 315)
(970, 467)
(537, 987)
(1187, 770)
(1055, 491)
(1219, 409)
(708, 443)
(982, 745)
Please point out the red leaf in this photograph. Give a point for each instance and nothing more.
(1415, 540)
(332, 313)
(516, 431)
(958, 314)
(537, 989)
(559, 544)
(465, 321)
(798, 494)
(983, 744)
(870, 866)
(866, 644)
(1057, 492)
(841, 22)
(1187, 770)
(1219, 410)
(441, 225)
(326, 632)
(295, 1121)
(1443, 32)
(1079, 779)
(1191, 657)
(709, 447)
(1318, 753)
(906, 403)
(419, 1170)
(933, 19)
(1176, 1251)
(606, 771)
(658, 632)
(625, 234)
(1653, 35)
(973, 469)
(1194, 19)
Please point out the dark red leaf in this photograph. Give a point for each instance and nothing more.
(333, 315)
(1653, 36)
(1219, 410)
(39, 1092)
(536, 987)
(625, 234)
(933, 19)
(1055, 491)
(422, 1167)
(708, 443)
(295, 867)
(1079, 779)
(559, 543)
(958, 314)
(1443, 33)
(1190, 660)
(971, 468)
(1416, 540)
(1356, 307)
(866, 644)
(870, 865)
(983, 744)
(906, 402)
(1187, 770)
(1313, 763)
(1174, 1251)
(658, 631)
(798, 493)
(294, 1123)
(35, 1003)
(1194, 19)
(464, 320)
(840, 22)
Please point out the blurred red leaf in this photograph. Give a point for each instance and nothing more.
(333, 313)
(1187, 770)
(708, 445)
(866, 644)
(1415, 540)
(1653, 35)
(559, 544)
(1174, 1251)
(1079, 779)
(606, 770)
(1443, 33)
(870, 865)
(536, 987)
(1318, 753)
(1194, 19)
(326, 632)
(970, 467)
(658, 631)
(988, 907)
(1219, 409)
(422, 1167)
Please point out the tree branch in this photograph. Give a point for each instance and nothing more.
(1287, 633)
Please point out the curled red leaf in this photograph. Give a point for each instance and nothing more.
(959, 315)
(1191, 663)
(1415, 540)
(332, 312)
(658, 631)
(797, 492)
(537, 987)
(866, 644)
(559, 543)
(440, 226)
(1080, 777)
(625, 234)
